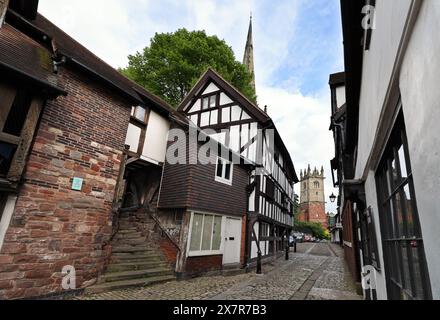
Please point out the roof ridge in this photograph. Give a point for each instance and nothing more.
(238, 91)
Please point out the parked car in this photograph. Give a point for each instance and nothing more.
(299, 237)
(307, 238)
(292, 241)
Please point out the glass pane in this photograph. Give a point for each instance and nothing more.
(207, 233)
(388, 183)
(196, 232)
(416, 247)
(405, 262)
(395, 264)
(228, 171)
(410, 214)
(7, 152)
(217, 235)
(400, 223)
(18, 113)
(390, 221)
(402, 160)
(394, 175)
(205, 103)
(140, 113)
(219, 168)
(213, 101)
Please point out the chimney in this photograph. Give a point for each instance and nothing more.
(3, 9)
(265, 109)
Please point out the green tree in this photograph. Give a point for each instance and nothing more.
(316, 229)
(173, 63)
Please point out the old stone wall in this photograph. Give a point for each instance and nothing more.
(81, 135)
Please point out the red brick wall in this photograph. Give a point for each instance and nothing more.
(169, 249)
(309, 212)
(195, 265)
(80, 135)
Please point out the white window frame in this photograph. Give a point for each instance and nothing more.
(204, 253)
(222, 179)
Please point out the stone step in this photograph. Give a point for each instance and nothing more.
(136, 235)
(128, 230)
(129, 242)
(139, 274)
(135, 266)
(136, 258)
(110, 286)
(133, 249)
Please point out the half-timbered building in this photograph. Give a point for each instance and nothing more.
(239, 124)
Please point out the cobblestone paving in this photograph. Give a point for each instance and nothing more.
(316, 272)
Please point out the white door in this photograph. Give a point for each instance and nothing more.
(232, 241)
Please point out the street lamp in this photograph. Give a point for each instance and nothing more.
(333, 198)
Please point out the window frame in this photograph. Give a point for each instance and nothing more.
(210, 98)
(204, 253)
(395, 244)
(223, 179)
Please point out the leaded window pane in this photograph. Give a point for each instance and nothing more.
(217, 233)
(196, 232)
(207, 233)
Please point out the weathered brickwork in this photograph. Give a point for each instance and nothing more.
(169, 250)
(81, 135)
(198, 265)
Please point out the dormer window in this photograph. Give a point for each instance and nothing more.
(209, 102)
(224, 171)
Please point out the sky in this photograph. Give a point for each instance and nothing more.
(297, 44)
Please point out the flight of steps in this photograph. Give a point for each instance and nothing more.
(134, 263)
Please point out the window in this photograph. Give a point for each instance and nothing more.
(209, 102)
(224, 171)
(270, 189)
(14, 109)
(206, 234)
(404, 253)
(7, 152)
(140, 113)
(18, 113)
(316, 184)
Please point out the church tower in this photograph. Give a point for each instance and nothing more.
(248, 59)
(312, 206)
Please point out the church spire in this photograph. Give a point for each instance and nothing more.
(248, 59)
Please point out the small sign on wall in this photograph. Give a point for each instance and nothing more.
(77, 184)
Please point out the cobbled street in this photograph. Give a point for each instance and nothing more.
(315, 272)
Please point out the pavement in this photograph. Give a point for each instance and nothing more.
(316, 272)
